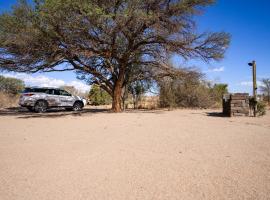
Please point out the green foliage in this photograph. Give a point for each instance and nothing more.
(217, 92)
(220, 89)
(137, 89)
(98, 96)
(11, 86)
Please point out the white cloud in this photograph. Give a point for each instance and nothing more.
(44, 81)
(249, 83)
(217, 69)
(79, 85)
(246, 83)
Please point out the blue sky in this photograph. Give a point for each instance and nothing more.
(248, 21)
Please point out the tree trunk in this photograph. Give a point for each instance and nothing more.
(124, 97)
(116, 101)
(117, 93)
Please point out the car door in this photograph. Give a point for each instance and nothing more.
(52, 98)
(65, 98)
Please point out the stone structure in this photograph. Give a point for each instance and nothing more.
(236, 104)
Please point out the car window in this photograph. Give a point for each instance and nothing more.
(64, 93)
(56, 92)
(49, 91)
(39, 90)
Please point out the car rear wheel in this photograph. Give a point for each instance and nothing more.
(41, 106)
(77, 106)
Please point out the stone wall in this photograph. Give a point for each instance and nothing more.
(236, 104)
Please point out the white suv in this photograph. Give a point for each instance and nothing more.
(40, 99)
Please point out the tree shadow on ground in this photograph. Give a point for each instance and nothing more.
(23, 113)
(153, 111)
(52, 113)
(216, 114)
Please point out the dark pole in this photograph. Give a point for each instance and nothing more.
(253, 64)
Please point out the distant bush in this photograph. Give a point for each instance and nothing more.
(137, 89)
(261, 108)
(11, 86)
(9, 91)
(98, 96)
(217, 91)
(7, 100)
(190, 90)
(265, 89)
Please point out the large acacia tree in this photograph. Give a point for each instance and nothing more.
(104, 40)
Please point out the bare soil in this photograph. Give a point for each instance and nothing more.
(181, 154)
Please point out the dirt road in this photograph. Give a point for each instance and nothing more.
(182, 154)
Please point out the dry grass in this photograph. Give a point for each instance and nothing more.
(149, 102)
(7, 100)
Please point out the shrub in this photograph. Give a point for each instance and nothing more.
(167, 95)
(190, 90)
(217, 92)
(137, 89)
(99, 96)
(265, 88)
(11, 86)
(261, 108)
(7, 100)
(9, 91)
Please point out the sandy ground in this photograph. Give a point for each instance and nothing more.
(181, 154)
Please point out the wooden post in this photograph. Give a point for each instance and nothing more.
(254, 86)
(253, 64)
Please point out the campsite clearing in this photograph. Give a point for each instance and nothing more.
(181, 154)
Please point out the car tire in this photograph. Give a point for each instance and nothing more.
(69, 109)
(41, 106)
(77, 106)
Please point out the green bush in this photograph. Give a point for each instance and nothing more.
(98, 96)
(217, 92)
(11, 86)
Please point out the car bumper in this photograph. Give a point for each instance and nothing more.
(26, 103)
(84, 102)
